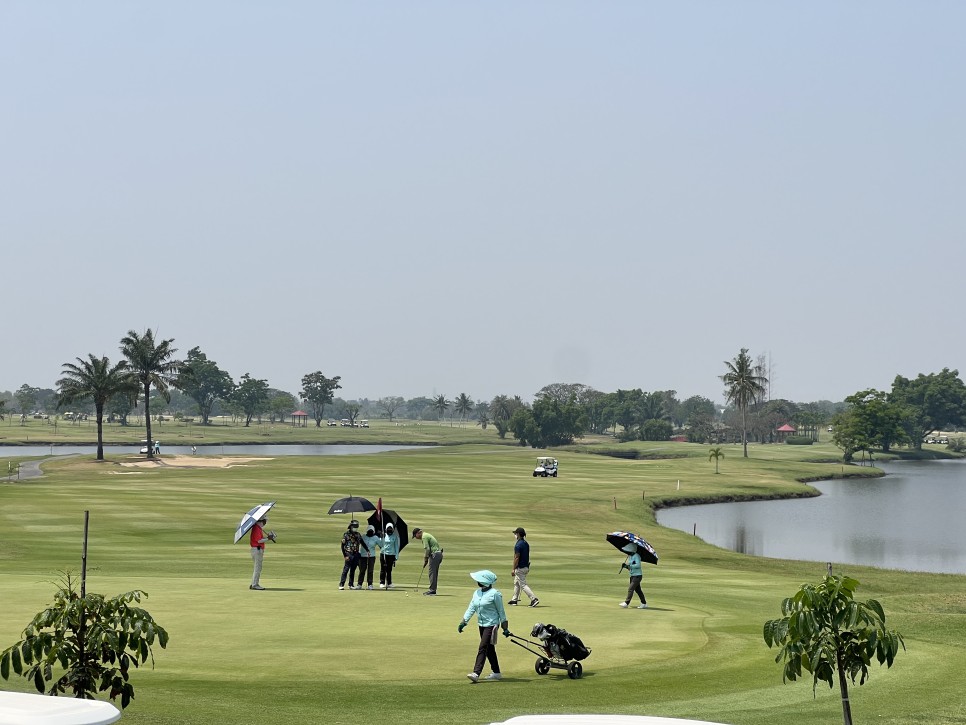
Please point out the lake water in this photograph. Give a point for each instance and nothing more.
(239, 450)
(911, 519)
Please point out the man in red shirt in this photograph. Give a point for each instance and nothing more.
(258, 539)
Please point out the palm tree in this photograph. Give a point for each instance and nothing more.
(440, 403)
(98, 380)
(716, 453)
(463, 405)
(744, 386)
(151, 364)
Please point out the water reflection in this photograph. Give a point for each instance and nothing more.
(907, 520)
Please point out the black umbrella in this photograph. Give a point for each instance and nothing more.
(351, 505)
(620, 539)
(388, 515)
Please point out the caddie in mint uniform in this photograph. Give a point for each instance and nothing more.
(487, 604)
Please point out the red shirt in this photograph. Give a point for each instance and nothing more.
(257, 535)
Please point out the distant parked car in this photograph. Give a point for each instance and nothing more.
(546, 466)
(363, 423)
(331, 422)
(345, 423)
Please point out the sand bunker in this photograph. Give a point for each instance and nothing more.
(192, 462)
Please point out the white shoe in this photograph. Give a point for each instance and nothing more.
(341, 588)
(473, 677)
(642, 606)
(382, 586)
(390, 586)
(494, 676)
(624, 605)
(355, 587)
(369, 587)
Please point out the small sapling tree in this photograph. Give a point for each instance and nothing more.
(825, 631)
(85, 644)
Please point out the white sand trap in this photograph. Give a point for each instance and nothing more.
(192, 462)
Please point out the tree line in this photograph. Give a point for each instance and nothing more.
(148, 377)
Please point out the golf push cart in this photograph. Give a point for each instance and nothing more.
(555, 649)
(546, 466)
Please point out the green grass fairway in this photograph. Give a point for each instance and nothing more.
(304, 652)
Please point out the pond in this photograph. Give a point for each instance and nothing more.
(910, 520)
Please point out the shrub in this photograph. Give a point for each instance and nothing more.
(798, 441)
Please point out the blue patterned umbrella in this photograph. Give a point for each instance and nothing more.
(249, 519)
(620, 539)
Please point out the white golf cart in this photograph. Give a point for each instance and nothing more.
(546, 466)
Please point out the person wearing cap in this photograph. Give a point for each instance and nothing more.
(432, 555)
(487, 604)
(351, 543)
(521, 567)
(367, 560)
(633, 565)
(258, 538)
(389, 553)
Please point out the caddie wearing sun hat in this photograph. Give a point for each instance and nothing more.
(487, 604)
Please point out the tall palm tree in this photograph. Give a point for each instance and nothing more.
(440, 403)
(98, 380)
(744, 386)
(151, 363)
(463, 405)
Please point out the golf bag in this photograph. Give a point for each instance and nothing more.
(560, 643)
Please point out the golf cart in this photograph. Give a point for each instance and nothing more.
(546, 466)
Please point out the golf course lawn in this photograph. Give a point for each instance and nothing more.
(304, 652)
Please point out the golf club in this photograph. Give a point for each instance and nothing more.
(420, 577)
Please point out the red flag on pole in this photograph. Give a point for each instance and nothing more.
(379, 512)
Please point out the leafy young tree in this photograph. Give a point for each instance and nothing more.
(152, 364)
(251, 396)
(3, 405)
(463, 405)
(825, 631)
(744, 386)
(95, 379)
(85, 644)
(502, 409)
(204, 382)
(318, 391)
(280, 405)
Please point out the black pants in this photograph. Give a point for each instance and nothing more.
(349, 569)
(366, 566)
(635, 588)
(385, 568)
(487, 650)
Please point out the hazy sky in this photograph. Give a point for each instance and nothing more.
(484, 198)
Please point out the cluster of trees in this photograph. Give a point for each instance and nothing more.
(905, 415)
(148, 378)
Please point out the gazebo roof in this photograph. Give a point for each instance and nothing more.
(786, 429)
(299, 413)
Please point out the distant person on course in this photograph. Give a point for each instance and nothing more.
(521, 567)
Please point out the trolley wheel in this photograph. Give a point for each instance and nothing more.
(542, 666)
(575, 670)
